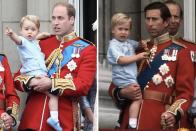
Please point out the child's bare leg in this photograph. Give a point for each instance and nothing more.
(53, 107)
(53, 102)
(134, 112)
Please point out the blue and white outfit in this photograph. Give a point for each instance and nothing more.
(122, 75)
(32, 58)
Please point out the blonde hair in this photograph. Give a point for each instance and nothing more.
(32, 18)
(120, 18)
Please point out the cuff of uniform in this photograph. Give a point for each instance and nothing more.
(54, 92)
(177, 116)
(120, 101)
(14, 119)
(26, 86)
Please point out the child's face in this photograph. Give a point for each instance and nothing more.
(29, 30)
(121, 32)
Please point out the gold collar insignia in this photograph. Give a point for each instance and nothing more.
(66, 38)
(161, 39)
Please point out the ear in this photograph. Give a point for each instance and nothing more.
(166, 22)
(112, 31)
(72, 20)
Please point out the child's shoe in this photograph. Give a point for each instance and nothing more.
(54, 124)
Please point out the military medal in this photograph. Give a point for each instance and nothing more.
(68, 76)
(164, 69)
(71, 65)
(73, 55)
(169, 81)
(157, 79)
(174, 55)
(76, 52)
(165, 54)
(152, 52)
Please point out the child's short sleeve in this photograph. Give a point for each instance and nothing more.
(134, 44)
(114, 52)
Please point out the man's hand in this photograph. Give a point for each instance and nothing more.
(194, 122)
(43, 35)
(7, 119)
(40, 84)
(167, 120)
(89, 114)
(131, 92)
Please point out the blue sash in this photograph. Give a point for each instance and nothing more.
(1, 57)
(67, 55)
(149, 72)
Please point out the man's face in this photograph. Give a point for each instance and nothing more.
(154, 23)
(175, 20)
(62, 24)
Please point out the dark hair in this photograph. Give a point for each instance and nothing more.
(171, 2)
(165, 13)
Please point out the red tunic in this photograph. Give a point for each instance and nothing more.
(181, 71)
(8, 95)
(36, 111)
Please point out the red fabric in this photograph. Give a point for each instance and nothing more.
(182, 72)
(37, 103)
(10, 94)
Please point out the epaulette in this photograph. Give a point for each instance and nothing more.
(186, 40)
(87, 41)
(178, 43)
(2, 54)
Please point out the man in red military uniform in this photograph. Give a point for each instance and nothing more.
(9, 100)
(166, 82)
(71, 63)
(175, 22)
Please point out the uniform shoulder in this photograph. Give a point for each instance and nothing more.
(179, 43)
(87, 41)
(2, 54)
(187, 41)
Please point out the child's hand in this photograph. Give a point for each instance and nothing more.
(43, 35)
(143, 55)
(8, 31)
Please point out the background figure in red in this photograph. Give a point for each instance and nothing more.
(9, 100)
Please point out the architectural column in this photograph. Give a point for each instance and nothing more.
(42, 9)
(78, 4)
(189, 19)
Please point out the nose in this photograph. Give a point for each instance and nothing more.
(123, 31)
(149, 22)
(172, 19)
(55, 21)
(29, 31)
